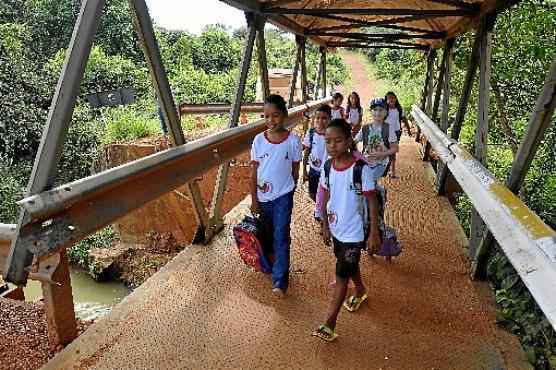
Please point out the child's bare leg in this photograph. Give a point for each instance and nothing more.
(313, 196)
(336, 304)
(393, 166)
(358, 282)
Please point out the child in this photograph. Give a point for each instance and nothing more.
(315, 149)
(394, 118)
(337, 109)
(345, 223)
(379, 142)
(275, 159)
(354, 112)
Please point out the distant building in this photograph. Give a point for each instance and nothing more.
(280, 84)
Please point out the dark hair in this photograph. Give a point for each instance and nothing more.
(325, 108)
(358, 106)
(398, 105)
(337, 96)
(342, 125)
(278, 102)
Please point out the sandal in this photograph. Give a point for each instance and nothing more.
(325, 333)
(353, 303)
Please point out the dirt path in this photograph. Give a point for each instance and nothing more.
(359, 78)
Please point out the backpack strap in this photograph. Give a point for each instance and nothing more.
(365, 135)
(327, 166)
(311, 136)
(386, 135)
(358, 176)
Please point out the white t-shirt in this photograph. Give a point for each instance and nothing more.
(393, 119)
(318, 149)
(345, 208)
(353, 116)
(375, 136)
(338, 113)
(275, 159)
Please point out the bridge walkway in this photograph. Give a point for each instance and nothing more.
(206, 310)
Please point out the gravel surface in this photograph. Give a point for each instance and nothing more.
(23, 335)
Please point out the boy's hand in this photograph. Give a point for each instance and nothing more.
(373, 243)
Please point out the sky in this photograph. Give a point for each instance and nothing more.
(193, 15)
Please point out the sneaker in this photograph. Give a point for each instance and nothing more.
(278, 291)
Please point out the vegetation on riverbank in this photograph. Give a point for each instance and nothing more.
(524, 43)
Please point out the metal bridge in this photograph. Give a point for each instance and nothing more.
(203, 310)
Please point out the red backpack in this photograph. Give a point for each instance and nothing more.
(253, 243)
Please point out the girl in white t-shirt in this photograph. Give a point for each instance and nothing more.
(394, 118)
(346, 209)
(337, 110)
(275, 159)
(315, 149)
(354, 112)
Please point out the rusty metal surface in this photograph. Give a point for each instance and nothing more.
(216, 108)
(207, 310)
(527, 241)
(75, 210)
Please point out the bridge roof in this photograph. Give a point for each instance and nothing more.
(345, 23)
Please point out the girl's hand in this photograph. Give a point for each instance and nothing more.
(255, 207)
(326, 236)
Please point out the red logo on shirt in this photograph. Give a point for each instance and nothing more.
(332, 218)
(264, 187)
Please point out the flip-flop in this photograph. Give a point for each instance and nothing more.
(353, 303)
(325, 333)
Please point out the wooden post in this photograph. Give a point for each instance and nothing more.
(428, 76)
(304, 92)
(58, 305)
(447, 66)
(439, 86)
(481, 133)
(324, 82)
(462, 107)
(428, 96)
(317, 79)
(536, 129)
(295, 71)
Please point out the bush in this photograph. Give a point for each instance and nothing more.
(79, 253)
(124, 124)
(12, 188)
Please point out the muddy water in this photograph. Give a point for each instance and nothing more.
(92, 299)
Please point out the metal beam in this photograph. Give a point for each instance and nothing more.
(458, 4)
(462, 107)
(536, 129)
(373, 11)
(215, 220)
(526, 240)
(261, 57)
(82, 207)
(382, 24)
(295, 72)
(481, 133)
(371, 36)
(145, 31)
(54, 133)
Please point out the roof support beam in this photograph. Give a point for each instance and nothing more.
(373, 43)
(458, 4)
(367, 46)
(383, 24)
(373, 11)
(371, 36)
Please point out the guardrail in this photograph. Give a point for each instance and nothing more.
(217, 108)
(7, 232)
(527, 241)
(70, 212)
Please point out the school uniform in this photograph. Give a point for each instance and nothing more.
(347, 214)
(275, 186)
(338, 113)
(375, 134)
(316, 143)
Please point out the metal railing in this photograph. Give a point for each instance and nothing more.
(70, 212)
(527, 241)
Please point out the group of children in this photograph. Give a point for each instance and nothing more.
(345, 160)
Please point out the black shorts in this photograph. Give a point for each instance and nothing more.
(314, 178)
(347, 258)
